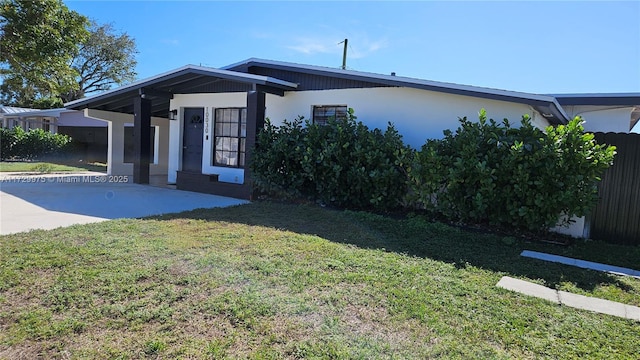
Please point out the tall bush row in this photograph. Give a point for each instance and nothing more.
(492, 173)
(33, 144)
(484, 172)
(343, 163)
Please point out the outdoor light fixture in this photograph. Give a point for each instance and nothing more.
(173, 114)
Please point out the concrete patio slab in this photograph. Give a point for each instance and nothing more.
(568, 299)
(581, 263)
(48, 202)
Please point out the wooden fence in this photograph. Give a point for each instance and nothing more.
(616, 218)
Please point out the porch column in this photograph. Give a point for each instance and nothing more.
(255, 121)
(142, 139)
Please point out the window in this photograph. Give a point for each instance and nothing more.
(129, 143)
(230, 136)
(322, 114)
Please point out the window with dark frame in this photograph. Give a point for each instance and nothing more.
(322, 113)
(129, 143)
(230, 134)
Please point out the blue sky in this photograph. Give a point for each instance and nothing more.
(537, 47)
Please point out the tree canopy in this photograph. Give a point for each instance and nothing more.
(104, 59)
(50, 54)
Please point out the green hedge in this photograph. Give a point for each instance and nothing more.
(492, 173)
(33, 144)
(482, 173)
(343, 163)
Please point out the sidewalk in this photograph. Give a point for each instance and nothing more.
(569, 299)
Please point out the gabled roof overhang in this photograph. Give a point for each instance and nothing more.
(605, 101)
(185, 80)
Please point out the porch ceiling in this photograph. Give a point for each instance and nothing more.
(186, 80)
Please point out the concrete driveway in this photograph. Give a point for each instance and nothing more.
(51, 201)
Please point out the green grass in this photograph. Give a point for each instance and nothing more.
(40, 167)
(272, 281)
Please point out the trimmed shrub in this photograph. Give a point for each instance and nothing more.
(277, 160)
(522, 177)
(342, 163)
(32, 144)
(483, 173)
(7, 141)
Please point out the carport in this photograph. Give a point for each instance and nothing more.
(146, 103)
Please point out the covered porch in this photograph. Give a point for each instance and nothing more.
(174, 127)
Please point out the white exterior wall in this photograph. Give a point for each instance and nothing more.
(115, 149)
(209, 102)
(577, 229)
(77, 118)
(602, 118)
(417, 114)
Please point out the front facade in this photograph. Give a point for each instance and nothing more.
(203, 121)
(417, 114)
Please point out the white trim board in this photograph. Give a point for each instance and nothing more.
(582, 263)
(572, 300)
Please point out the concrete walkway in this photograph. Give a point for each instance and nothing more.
(51, 201)
(617, 270)
(569, 299)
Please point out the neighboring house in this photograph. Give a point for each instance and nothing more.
(90, 135)
(11, 116)
(196, 125)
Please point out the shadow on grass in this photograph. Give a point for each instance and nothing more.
(419, 238)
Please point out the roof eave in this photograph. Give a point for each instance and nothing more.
(185, 70)
(538, 101)
(600, 99)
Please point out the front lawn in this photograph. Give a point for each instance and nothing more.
(271, 281)
(40, 167)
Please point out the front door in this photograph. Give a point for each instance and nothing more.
(192, 140)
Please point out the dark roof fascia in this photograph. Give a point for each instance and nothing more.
(534, 100)
(185, 70)
(601, 99)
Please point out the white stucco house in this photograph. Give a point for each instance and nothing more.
(196, 125)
